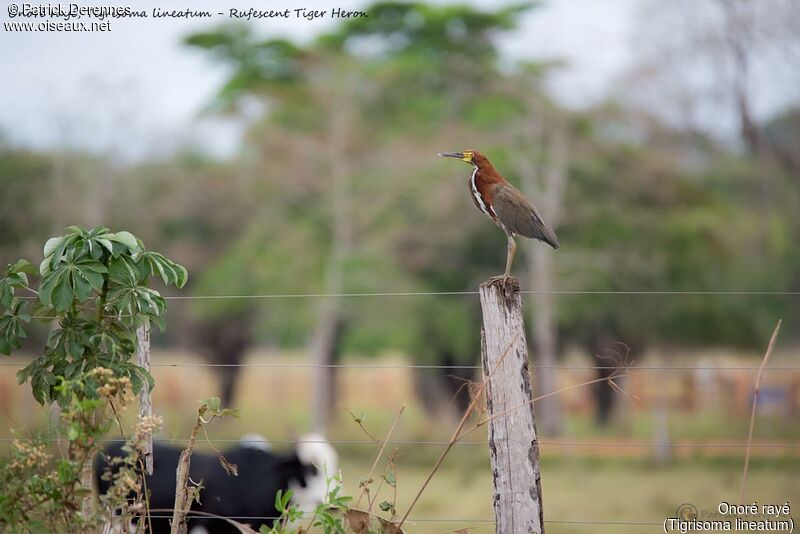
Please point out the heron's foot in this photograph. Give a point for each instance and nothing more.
(502, 280)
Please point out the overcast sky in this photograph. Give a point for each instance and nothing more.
(134, 88)
(136, 91)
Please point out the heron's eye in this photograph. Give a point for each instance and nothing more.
(468, 156)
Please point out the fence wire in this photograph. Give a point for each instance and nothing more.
(643, 444)
(436, 520)
(722, 293)
(634, 368)
(467, 293)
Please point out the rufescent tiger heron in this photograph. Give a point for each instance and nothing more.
(503, 204)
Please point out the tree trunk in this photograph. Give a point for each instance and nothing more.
(433, 394)
(545, 184)
(228, 379)
(225, 339)
(327, 348)
(325, 341)
(444, 392)
(609, 349)
(661, 443)
(603, 394)
(550, 413)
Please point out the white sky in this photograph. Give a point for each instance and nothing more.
(137, 91)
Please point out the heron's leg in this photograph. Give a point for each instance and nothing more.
(512, 250)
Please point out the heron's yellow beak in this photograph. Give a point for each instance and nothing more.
(464, 156)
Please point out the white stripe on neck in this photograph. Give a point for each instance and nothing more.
(478, 198)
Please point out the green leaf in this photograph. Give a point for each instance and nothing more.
(6, 292)
(94, 278)
(106, 244)
(386, 506)
(212, 403)
(162, 269)
(48, 284)
(44, 267)
(60, 251)
(11, 282)
(183, 276)
(62, 295)
(25, 373)
(66, 472)
(389, 477)
(5, 348)
(52, 244)
(160, 321)
(24, 266)
(286, 498)
(81, 286)
(279, 505)
(121, 272)
(40, 392)
(92, 265)
(136, 383)
(125, 238)
(73, 369)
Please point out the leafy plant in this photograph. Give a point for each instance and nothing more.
(94, 284)
(94, 290)
(43, 492)
(290, 514)
(330, 516)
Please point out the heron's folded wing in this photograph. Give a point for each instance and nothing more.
(520, 216)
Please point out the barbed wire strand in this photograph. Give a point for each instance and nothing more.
(415, 366)
(466, 293)
(691, 444)
(733, 293)
(434, 520)
(440, 520)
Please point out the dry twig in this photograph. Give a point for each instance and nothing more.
(366, 481)
(184, 496)
(756, 389)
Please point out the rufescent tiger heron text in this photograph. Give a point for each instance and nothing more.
(504, 204)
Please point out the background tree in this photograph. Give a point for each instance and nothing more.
(336, 189)
(338, 116)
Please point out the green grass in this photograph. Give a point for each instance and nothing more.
(577, 490)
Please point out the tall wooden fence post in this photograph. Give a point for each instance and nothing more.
(145, 403)
(513, 442)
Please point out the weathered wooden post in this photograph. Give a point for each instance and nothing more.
(513, 443)
(145, 403)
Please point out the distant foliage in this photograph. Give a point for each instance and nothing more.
(94, 287)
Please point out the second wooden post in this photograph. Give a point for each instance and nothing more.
(513, 442)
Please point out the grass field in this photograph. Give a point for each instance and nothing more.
(604, 485)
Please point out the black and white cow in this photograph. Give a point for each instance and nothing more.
(246, 497)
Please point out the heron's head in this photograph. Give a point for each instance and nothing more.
(469, 156)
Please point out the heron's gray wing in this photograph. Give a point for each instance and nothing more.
(520, 216)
